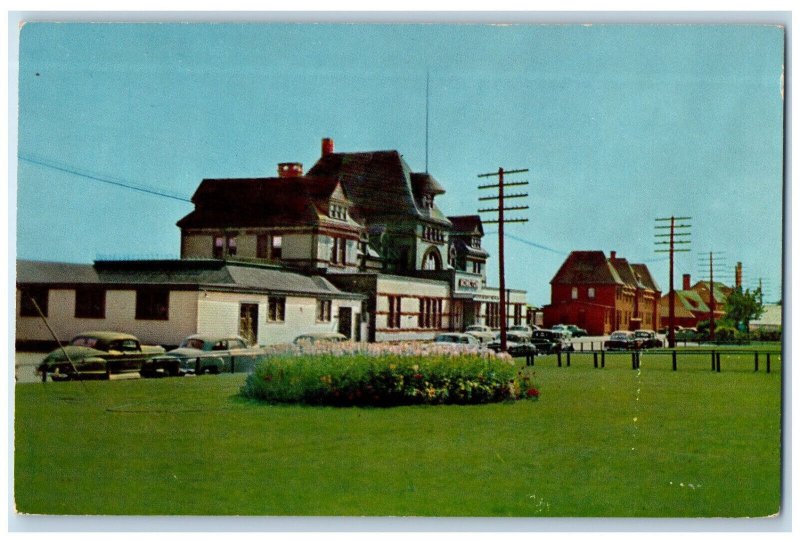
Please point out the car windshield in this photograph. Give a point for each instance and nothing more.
(193, 343)
(642, 334)
(476, 328)
(619, 335)
(446, 339)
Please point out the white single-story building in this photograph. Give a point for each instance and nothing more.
(163, 301)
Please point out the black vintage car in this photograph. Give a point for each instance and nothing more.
(97, 355)
(516, 345)
(649, 339)
(550, 341)
(622, 340)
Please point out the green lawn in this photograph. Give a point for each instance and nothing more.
(612, 442)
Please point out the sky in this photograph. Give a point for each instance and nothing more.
(618, 125)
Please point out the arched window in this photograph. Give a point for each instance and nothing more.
(432, 260)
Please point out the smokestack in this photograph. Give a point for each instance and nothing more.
(290, 169)
(687, 281)
(613, 255)
(327, 146)
(738, 275)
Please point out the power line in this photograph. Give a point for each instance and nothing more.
(103, 179)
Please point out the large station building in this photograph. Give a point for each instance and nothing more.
(358, 242)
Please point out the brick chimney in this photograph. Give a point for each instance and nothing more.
(290, 169)
(613, 255)
(738, 275)
(327, 146)
(687, 281)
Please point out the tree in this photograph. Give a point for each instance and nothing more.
(742, 306)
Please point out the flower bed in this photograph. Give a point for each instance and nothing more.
(381, 375)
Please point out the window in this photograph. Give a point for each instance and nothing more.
(152, 304)
(277, 309)
(493, 315)
(248, 322)
(339, 251)
(430, 313)
(336, 211)
(393, 319)
(219, 247)
(517, 314)
(574, 293)
(432, 260)
(277, 248)
(590, 292)
(232, 245)
(262, 246)
(27, 306)
(90, 303)
(324, 310)
(476, 267)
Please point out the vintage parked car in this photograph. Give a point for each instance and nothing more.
(551, 341)
(577, 331)
(460, 340)
(320, 337)
(649, 339)
(622, 340)
(521, 330)
(97, 355)
(482, 332)
(563, 328)
(516, 345)
(199, 353)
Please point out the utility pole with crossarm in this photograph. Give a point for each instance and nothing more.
(672, 250)
(501, 221)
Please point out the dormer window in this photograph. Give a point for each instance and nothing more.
(476, 242)
(337, 211)
(427, 201)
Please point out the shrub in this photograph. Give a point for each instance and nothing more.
(351, 374)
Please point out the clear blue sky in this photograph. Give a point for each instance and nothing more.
(617, 124)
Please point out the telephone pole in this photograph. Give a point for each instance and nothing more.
(672, 250)
(712, 302)
(501, 220)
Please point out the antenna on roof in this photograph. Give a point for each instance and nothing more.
(427, 102)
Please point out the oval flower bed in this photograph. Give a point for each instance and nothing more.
(358, 374)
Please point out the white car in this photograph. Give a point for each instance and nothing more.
(454, 338)
(522, 330)
(480, 331)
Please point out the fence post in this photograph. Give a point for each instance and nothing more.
(559, 359)
(719, 355)
(602, 359)
(768, 363)
(633, 360)
(713, 360)
(674, 360)
(568, 358)
(756, 360)
(595, 360)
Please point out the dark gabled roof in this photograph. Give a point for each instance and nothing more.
(251, 202)
(466, 224)
(206, 273)
(626, 272)
(424, 183)
(721, 291)
(379, 183)
(645, 277)
(464, 248)
(586, 267)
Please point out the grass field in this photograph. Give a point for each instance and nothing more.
(614, 442)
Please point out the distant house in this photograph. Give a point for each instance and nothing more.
(693, 303)
(770, 320)
(602, 294)
(165, 301)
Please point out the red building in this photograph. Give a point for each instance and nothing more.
(603, 294)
